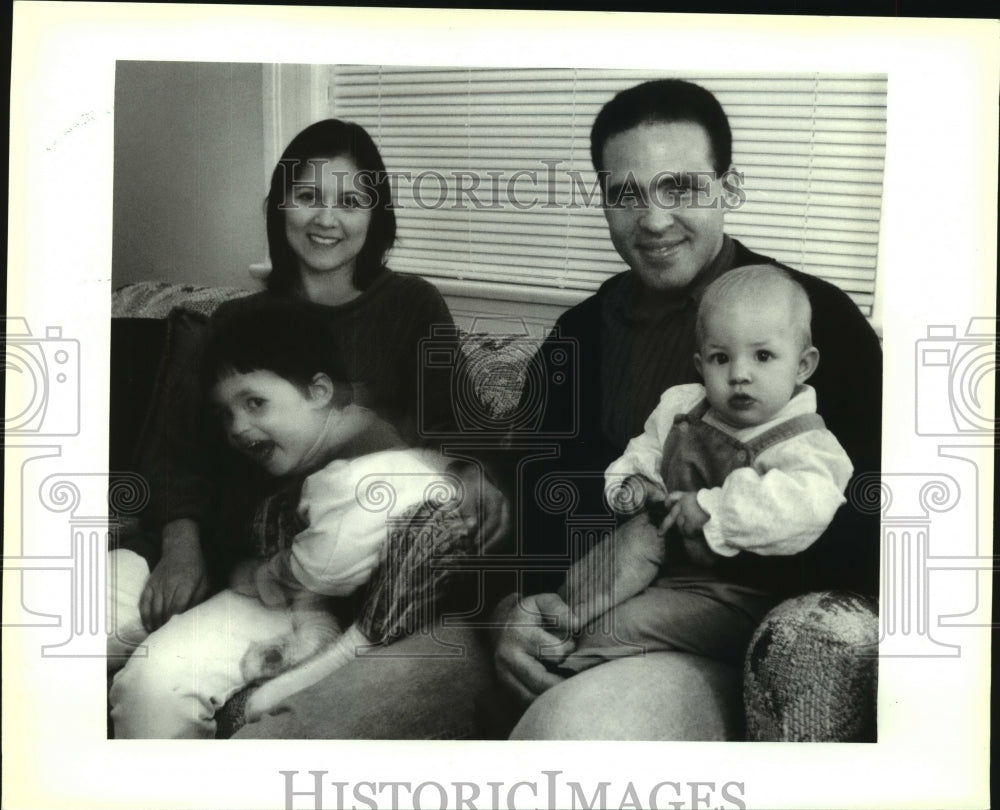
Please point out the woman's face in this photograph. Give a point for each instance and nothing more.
(330, 210)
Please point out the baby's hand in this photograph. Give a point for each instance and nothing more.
(685, 512)
(690, 519)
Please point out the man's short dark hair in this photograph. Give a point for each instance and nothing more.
(664, 101)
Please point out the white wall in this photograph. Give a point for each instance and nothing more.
(189, 181)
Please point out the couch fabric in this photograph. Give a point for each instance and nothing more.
(810, 673)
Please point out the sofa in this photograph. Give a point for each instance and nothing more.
(810, 672)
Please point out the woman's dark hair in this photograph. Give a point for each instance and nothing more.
(286, 337)
(330, 139)
(664, 101)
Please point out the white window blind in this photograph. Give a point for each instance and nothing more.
(811, 148)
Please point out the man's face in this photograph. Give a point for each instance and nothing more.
(668, 221)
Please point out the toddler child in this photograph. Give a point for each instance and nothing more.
(282, 402)
(731, 472)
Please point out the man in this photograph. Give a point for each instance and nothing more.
(663, 152)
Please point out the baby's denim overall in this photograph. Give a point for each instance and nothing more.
(710, 611)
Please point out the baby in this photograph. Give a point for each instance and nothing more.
(729, 472)
(283, 403)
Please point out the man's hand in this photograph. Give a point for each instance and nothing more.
(484, 508)
(179, 581)
(522, 644)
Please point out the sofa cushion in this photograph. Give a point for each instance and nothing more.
(136, 353)
(497, 367)
(810, 672)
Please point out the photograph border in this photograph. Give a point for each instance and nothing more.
(933, 737)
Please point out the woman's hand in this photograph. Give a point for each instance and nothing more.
(180, 579)
(522, 644)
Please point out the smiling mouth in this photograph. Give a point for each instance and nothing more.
(659, 249)
(259, 451)
(323, 241)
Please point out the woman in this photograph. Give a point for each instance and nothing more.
(330, 223)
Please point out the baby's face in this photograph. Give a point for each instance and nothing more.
(751, 361)
(270, 420)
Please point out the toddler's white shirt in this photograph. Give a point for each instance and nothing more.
(346, 506)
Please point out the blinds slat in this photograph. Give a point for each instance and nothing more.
(458, 119)
(493, 227)
(434, 268)
(612, 80)
(554, 105)
(761, 211)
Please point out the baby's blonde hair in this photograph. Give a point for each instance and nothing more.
(753, 286)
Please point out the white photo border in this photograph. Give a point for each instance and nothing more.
(939, 264)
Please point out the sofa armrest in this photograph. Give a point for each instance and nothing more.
(811, 671)
(155, 299)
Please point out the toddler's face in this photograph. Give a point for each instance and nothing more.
(751, 360)
(271, 420)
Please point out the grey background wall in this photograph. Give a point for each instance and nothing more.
(189, 175)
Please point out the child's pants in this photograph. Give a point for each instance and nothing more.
(178, 678)
(128, 573)
(691, 613)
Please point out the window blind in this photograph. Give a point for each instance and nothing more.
(464, 143)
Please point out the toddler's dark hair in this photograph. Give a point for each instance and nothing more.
(286, 337)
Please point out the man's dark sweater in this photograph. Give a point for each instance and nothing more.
(632, 345)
